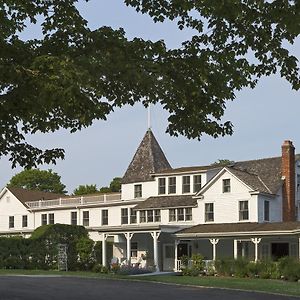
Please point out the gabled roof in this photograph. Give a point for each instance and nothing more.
(149, 158)
(167, 201)
(27, 195)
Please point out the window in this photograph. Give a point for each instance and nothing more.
(132, 216)
(197, 183)
(24, 221)
(142, 216)
(243, 212)
(104, 213)
(226, 185)
(124, 216)
(172, 215)
(161, 186)
(266, 210)
(134, 249)
(157, 215)
(149, 215)
(186, 184)
(180, 214)
(188, 214)
(11, 222)
(172, 185)
(51, 218)
(209, 212)
(44, 219)
(86, 218)
(137, 191)
(73, 217)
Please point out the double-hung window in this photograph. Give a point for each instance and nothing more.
(104, 215)
(149, 216)
(161, 186)
(124, 216)
(209, 212)
(86, 218)
(73, 217)
(172, 185)
(226, 186)
(172, 215)
(137, 191)
(24, 221)
(142, 216)
(266, 210)
(132, 216)
(243, 210)
(197, 183)
(51, 218)
(186, 184)
(157, 215)
(44, 219)
(11, 223)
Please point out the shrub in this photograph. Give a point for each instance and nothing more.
(224, 267)
(289, 268)
(240, 267)
(133, 270)
(98, 268)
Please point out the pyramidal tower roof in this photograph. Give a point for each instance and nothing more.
(149, 158)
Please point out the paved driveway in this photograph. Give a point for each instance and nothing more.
(46, 288)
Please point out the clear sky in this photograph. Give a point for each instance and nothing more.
(263, 118)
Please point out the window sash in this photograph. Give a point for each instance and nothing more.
(133, 214)
(197, 183)
(209, 212)
(124, 216)
(11, 223)
(51, 219)
(161, 186)
(104, 214)
(142, 216)
(180, 214)
(186, 184)
(172, 185)
(243, 211)
(149, 216)
(172, 215)
(85, 218)
(73, 218)
(138, 191)
(44, 219)
(188, 214)
(226, 186)
(266, 211)
(25, 221)
(157, 217)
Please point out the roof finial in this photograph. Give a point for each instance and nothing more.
(149, 116)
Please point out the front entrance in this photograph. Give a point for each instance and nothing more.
(168, 257)
(184, 249)
(279, 250)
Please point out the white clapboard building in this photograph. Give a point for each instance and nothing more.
(247, 208)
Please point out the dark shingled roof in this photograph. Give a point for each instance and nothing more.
(187, 169)
(27, 195)
(167, 201)
(149, 158)
(241, 227)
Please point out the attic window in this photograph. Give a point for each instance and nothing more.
(161, 186)
(226, 185)
(137, 191)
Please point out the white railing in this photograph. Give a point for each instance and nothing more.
(208, 263)
(71, 201)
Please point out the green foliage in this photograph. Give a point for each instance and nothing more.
(196, 266)
(74, 75)
(84, 248)
(224, 267)
(85, 189)
(222, 162)
(41, 180)
(115, 184)
(289, 268)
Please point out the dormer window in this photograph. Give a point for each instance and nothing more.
(197, 183)
(161, 186)
(137, 191)
(226, 185)
(172, 185)
(186, 184)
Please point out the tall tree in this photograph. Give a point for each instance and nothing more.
(74, 75)
(85, 189)
(36, 179)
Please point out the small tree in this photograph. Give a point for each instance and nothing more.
(85, 189)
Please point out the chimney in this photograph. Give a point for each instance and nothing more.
(288, 172)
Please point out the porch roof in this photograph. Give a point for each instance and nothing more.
(238, 229)
(167, 201)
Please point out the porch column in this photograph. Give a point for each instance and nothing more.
(155, 235)
(104, 237)
(128, 236)
(214, 243)
(235, 249)
(177, 242)
(256, 241)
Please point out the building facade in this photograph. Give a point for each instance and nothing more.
(247, 209)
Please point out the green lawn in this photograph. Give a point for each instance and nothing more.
(263, 285)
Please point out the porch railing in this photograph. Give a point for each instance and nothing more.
(71, 201)
(207, 264)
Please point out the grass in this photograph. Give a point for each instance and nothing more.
(262, 285)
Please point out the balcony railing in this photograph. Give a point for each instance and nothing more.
(71, 201)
